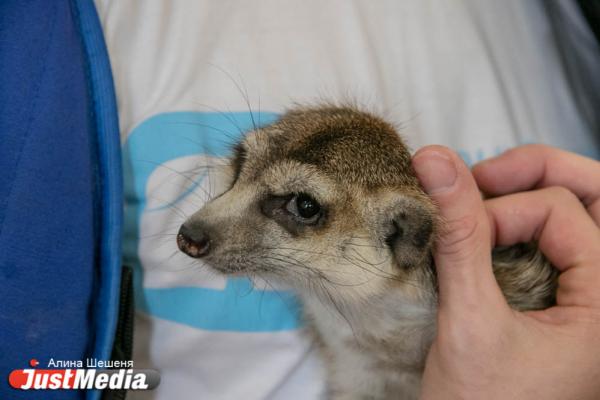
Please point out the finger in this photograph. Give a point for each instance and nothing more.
(554, 217)
(537, 166)
(463, 250)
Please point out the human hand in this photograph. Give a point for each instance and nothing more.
(484, 349)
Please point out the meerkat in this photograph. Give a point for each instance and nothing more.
(325, 200)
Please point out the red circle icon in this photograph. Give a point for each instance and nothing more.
(33, 362)
(17, 378)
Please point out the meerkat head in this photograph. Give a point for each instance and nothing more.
(323, 199)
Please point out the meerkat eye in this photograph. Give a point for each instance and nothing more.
(305, 207)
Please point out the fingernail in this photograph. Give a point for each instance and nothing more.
(435, 170)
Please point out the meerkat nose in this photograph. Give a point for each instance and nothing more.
(193, 242)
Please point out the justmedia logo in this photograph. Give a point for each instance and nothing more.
(154, 146)
(79, 378)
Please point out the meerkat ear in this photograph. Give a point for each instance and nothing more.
(410, 231)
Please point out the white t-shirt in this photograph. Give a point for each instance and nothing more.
(478, 76)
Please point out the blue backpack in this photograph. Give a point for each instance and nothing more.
(60, 194)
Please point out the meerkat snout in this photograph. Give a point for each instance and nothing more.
(195, 242)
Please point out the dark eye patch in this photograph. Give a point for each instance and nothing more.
(239, 157)
(278, 209)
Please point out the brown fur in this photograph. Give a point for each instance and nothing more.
(364, 269)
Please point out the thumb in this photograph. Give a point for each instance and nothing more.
(462, 252)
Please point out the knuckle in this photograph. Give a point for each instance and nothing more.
(458, 236)
(528, 150)
(537, 147)
(561, 195)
